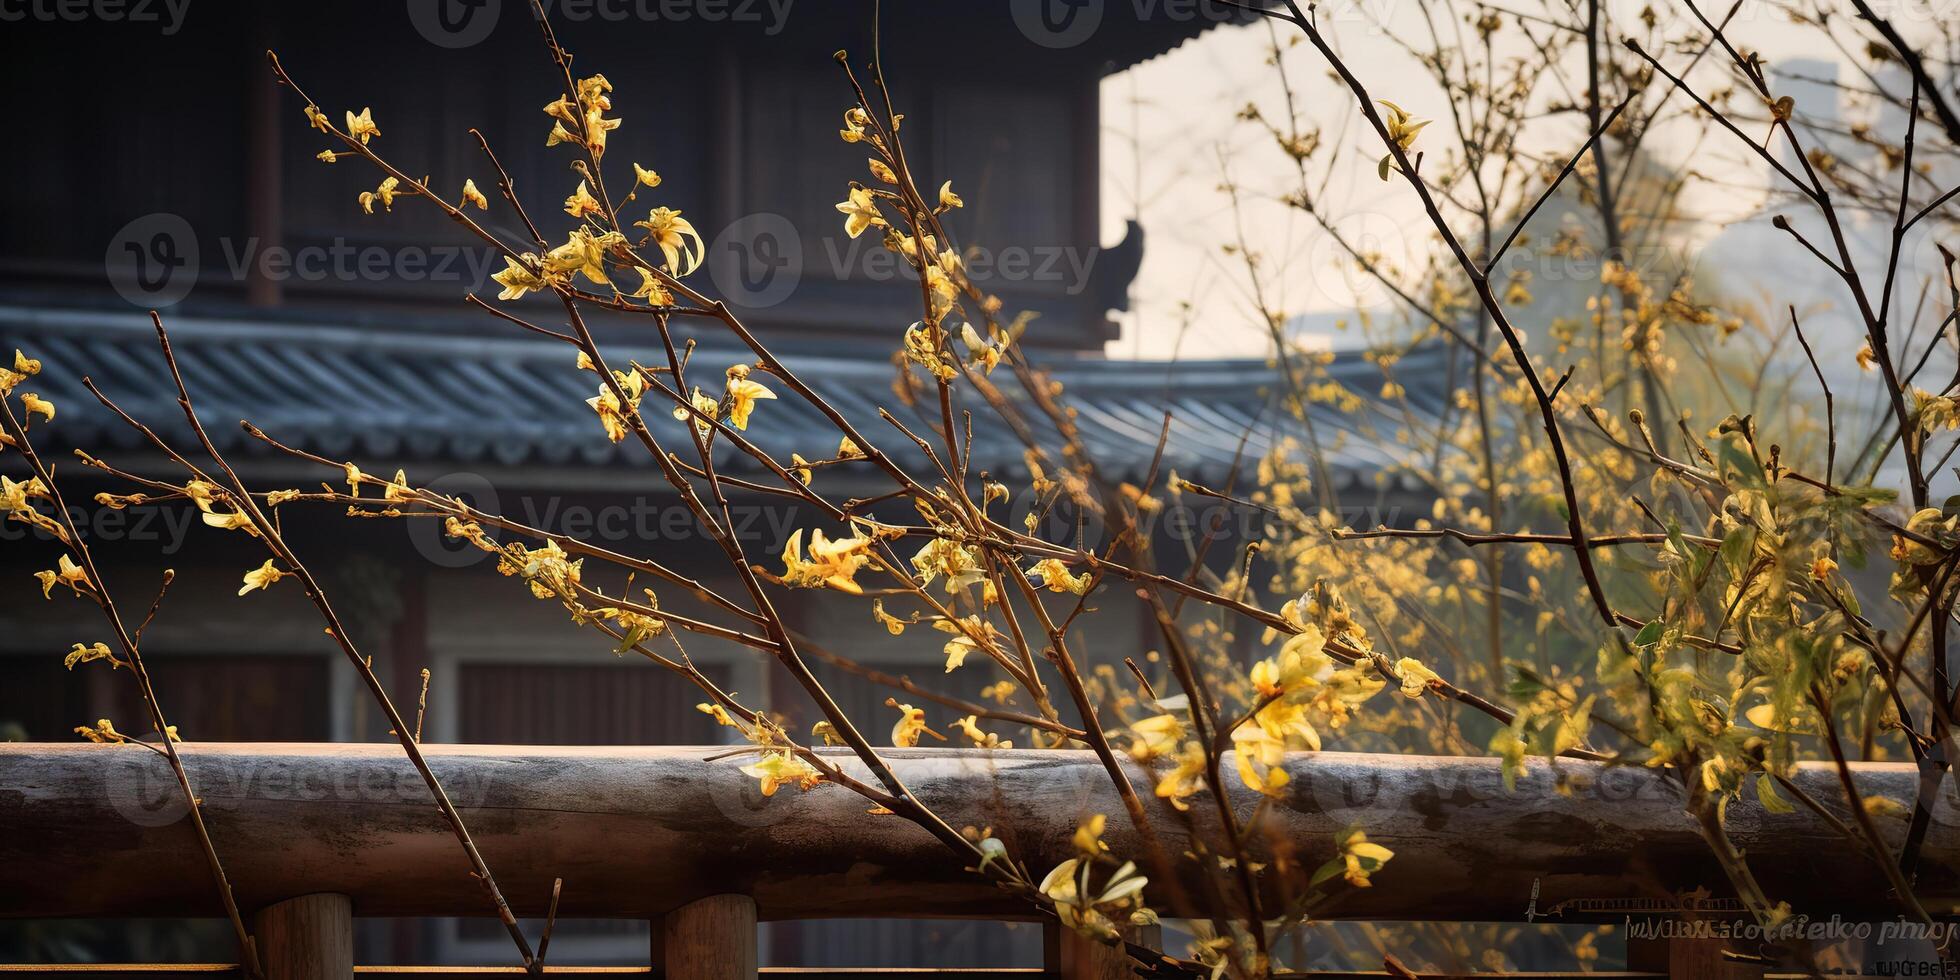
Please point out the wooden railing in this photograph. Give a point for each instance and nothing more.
(314, 834)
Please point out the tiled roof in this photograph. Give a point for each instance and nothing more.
(375, 396)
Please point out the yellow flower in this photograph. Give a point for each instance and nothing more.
(1822, 568)
(651, 289)
(676, 238)
(782, 768)
(962, 642)
(66, 573)
(645, 177)
(881, 171)
(327, 156)
(36, 405)
(262, 577)
(1928, 523)
(1402, 130)
(612, 414)
(592, 95)
(860, 211)
(582, 203)
(1300, 662)
(1416, 678)
(596, 128)
(518, 279)
(385, 193)
(1060, 885)
(893, 625)
(233, 520)
(1356, 861)
(103, 731)
(1186, 779)
(595, 92)
(944, 283)
(1259, 756)
(1285, 722)
(24, 367)
(473, 196)
(1155, 736)
(718, 713)
(947, 199)
(584, 253)
(855, 120)
(1867, 357)
(705, 408)
(920, 349)
(545, 569)
(1088, 910)
(82, 655)
(14, 496)
(830, 563)
(317, 119)
(944, 556)
(911, 725)
(742, 396)
(969, 726)
(361, 127)
(1056, 578)
(826, 733)
(846, 449)
(397, 489)
(986, 354)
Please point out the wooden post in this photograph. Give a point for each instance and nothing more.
(307, 938)
(1069, 955)
(709, 939)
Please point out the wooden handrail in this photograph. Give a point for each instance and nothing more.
(90, 830)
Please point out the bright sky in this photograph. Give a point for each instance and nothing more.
(1170, 135)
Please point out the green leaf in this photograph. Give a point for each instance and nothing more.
(1649, 634)
(1331, 869)
(1736, 548)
